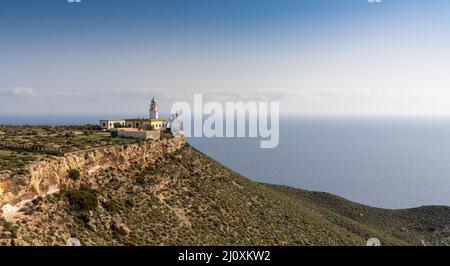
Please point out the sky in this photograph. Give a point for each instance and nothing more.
(315, 57)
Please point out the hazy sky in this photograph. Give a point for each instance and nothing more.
(325, 57)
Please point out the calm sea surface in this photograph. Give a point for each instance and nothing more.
(390, 163)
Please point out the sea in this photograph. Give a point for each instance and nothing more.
(382, 162)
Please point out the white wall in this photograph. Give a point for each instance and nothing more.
(109, 124)
(139, 134)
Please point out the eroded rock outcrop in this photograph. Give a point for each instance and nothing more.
(50, 175)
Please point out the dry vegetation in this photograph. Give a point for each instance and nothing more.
(16, 161)
(64, 138)
(189, 199)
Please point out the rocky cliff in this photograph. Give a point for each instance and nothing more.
(50, 175)
(168, 193)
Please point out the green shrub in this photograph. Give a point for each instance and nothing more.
(81, 200)
(74, 174)
(130, 203)
(84, 216)
(8, 227)
(119, 125)
(140, 180)
(111, 206)
(69, 135)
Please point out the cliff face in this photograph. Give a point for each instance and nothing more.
(186, 198)
(50, 175)
(168, 193)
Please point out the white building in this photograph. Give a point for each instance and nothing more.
(146, 124)
(153, 109)
(111, 123)
(153, 123)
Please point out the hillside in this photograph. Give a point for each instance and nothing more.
(183, 197)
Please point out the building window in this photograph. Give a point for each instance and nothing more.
(104, 124)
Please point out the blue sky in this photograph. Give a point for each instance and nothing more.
(317, 57)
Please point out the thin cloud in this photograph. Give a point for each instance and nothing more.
(19, 92)
(362, 94)
(170, 95)
(276, 94)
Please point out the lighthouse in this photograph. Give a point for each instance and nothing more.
(154, 109)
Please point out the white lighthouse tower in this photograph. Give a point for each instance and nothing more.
(154, 109)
